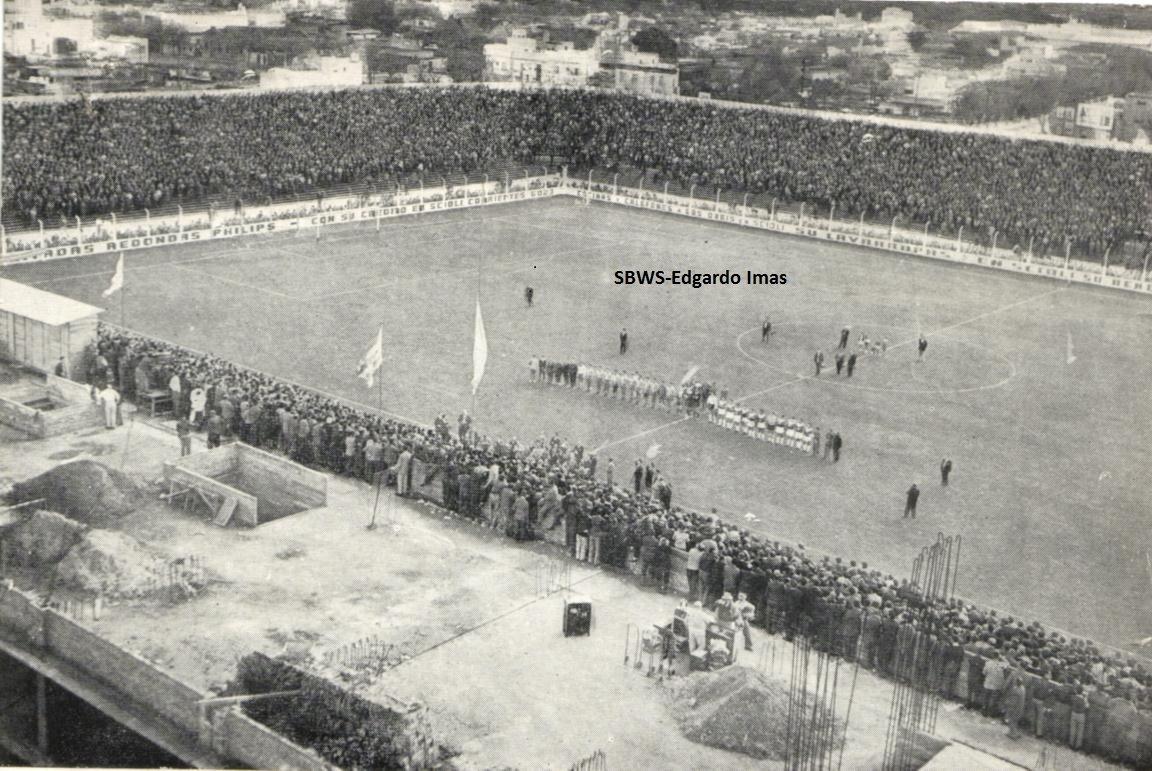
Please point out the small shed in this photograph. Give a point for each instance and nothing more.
(38, 327)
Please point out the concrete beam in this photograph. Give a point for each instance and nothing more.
(119, 706)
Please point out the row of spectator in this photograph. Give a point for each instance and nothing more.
(92, 157)
(553, 492)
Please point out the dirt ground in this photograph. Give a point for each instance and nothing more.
(485, 649)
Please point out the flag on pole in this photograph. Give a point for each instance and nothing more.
(479, 350)
(117, 278)
(372, 360)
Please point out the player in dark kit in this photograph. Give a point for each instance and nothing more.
(851, 364)
(910, 504)
(945, 470)
(839, 363)
(623, 341)
(528, 292)
(844, 336)
(921, 347)
(765, 331)
(818, 360)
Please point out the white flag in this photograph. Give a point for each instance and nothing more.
(479, 351)
(117, 278)
(371, 361)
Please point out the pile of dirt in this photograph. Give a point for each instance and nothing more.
(42, 539)
(83, 490)
(112, 564)
(737, 709)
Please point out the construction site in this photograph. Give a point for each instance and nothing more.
(155, 602)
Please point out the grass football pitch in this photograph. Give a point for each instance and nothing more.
(1038, 391)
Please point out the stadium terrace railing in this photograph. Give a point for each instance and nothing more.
(920, 243)
(110, 235)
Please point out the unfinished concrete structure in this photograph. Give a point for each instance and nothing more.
(242, 484)
(46, 406)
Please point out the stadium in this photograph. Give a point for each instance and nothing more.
(433, 297)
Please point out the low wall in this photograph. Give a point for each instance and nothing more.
(20, 614)
(180, 472)
(238, 737)
(123, 671)
(69, 390)
(109, 237)
(262, 471)
(266, 486)
(887, 239)
(260, 747)
(73, 409)
(25, 419)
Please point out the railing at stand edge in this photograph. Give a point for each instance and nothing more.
(916, 240)
(186, 226)
(175, 224)
(736, 200)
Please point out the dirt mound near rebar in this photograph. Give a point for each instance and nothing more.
(83, 490)
(110, 563)
(42, 539)
(737, 709)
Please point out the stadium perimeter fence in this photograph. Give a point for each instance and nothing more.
(416, 196)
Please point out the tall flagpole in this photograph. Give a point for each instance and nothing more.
(122, 290)
(477, 388)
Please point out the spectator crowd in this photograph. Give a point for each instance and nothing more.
(1067, 690)
(92, 157)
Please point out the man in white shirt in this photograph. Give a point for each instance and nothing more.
(197, 401)
(109, 397)
(174, 390)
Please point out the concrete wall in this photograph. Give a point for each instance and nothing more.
(70, 418)
(240, 738)
(268, 474)
(17, 612)
(22, 418)
(122, 670)
(246, 508)
(210, 463)
(260, 747)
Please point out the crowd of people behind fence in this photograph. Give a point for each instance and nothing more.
(1073, 691)
(92, 157)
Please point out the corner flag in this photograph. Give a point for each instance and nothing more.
(372, 360)
(117, 278)
(479, 351)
